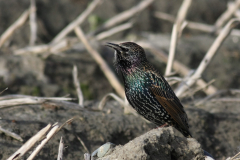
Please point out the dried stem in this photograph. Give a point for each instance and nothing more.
(114, 31)
(124, 103)
(195, 25)
(30, 143)
(83, 144)
(3, 90)
(77, 86)
(52, 48)
(18, 23)
(103, 65)
(60, 150)
(77, 21)
(191, 93)
(172, 50)
(208, 57)
(33, 22)
(105, 98)
(124, 16)
(48, 137)
(11, 134)
(232, 8)
(190, 24)
(67, 43)
(235, 157)
(226, 100)
(176, 32)
(29, 100)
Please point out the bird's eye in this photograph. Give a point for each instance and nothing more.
(125, 49)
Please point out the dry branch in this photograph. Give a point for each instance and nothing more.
(83, 144)
(33, 22)
(54, 130)
(3, 90)
(60, 150)
(177, 66)
(225, 100)
(77, 21)
(68, 43)
(105, 98)
(18, 23)
(127, 108)
(208, 57)
(29, 100)
(124, 16)
(103, 65)
(191, 25)
(195, 25)
(232, 8)
(192, 92)
(32, 49)
(30, 143)
(113, 31)
(77, 85)
(176, 31)
(52, 48)
(11, 134)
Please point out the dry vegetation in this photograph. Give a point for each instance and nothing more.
(189, 83)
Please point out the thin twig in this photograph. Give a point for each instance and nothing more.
(48, 137)
(209, 55)
(235, 157)
(60, 150)
(77, 21)
(29, 100)
(123, 16)
(33, 23)
(232, 8)
(30, 143)
(191, 93)
(226, 100)
(83, 144)
(3, 90)
(18, 23)
(16, 96)
(172, 50)
(77, 85)
(105, 98)
(210, 96)
(113, 31)
(195, 25)
(124, 103)
(103, 65)
(11, 134)
(52, 48)
(176, 31)
(68, 43)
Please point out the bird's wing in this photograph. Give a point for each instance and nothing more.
(167, 98)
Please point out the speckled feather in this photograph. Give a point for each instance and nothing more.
(147, 90)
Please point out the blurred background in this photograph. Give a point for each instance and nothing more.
(38, 67)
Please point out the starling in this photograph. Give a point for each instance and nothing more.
(147, 90)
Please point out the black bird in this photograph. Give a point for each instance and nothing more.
(147, 90)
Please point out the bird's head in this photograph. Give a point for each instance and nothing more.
(128, 55)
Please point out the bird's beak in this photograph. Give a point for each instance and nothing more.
(114, 46)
